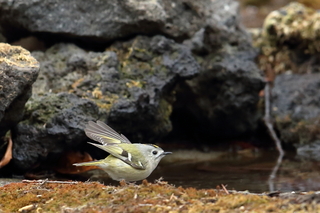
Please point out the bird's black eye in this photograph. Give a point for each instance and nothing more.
(154, 152)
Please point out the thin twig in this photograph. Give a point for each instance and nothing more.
(268, 123)
(49, 181)
(267, 119)
(27, 208)
(225, 189)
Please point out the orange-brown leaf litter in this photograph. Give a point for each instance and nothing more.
(144, 197)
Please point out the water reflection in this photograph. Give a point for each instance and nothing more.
(244, 172)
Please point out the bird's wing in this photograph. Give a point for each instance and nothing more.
(122, 154)
(103, 134)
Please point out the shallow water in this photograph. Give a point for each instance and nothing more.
(241, 171)
(4, 181)
(245, 171)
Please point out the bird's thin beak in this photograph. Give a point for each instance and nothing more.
(166, 153)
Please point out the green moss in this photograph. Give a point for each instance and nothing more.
(40, 109)
(146, 197)
(301, 132)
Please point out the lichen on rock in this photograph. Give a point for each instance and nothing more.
(130, 81)
(289, 39)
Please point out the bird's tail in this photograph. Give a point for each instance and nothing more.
(90, 163)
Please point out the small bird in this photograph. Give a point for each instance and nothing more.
(127, 161)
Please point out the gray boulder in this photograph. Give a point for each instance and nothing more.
(203, 79)
(221, 102)
(296, 102)
(128, 86)
(52, 124)
(103, 21)
(131, 81)
(18, 71)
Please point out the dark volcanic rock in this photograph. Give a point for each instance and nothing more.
(131, 81)
(132, 84)
(296, 101)
(52, 124)
(18, 71)
(129, 86)
(111, 20)
(2, 38)
(221, 103)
